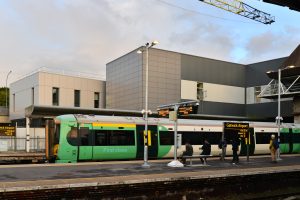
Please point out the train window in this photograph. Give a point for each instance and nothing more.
(86, 139)
(197, 138)
(72, 137)
(114, 138)
(121, 138)
(166, 137)
(296, 138)
(194, 138)
(263, 137)
(101, 138)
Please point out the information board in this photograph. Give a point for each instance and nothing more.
(7, 130)
(234, 130)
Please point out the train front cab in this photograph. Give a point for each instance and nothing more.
(103, 141)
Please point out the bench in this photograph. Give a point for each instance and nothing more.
(190, 158)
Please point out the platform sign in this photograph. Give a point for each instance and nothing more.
(236, 130)
(7, 130)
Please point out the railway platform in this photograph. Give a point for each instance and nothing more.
(127, 179)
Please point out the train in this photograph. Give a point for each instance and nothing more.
(95, 138)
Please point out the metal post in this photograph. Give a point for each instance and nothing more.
(27, 134)
(6, 99)
(279, 114)
(222, 143)
(175, 162)
(146, 164)
(175, 133)
(146, 111)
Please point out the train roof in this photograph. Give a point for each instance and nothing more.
(156, 121)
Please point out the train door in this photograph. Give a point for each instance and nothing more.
(153, 148)
(86, 141)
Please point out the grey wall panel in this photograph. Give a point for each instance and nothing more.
(256, 73)
(124, 82)
(212, 71)
(216, 108)
(269, 109)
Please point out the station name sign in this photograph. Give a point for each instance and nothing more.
(229, 125)
(6, 130)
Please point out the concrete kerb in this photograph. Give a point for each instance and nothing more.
(143, 179)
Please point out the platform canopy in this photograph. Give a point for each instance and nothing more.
(290, 78)
(291, 4)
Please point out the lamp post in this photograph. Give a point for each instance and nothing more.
(279, 118)
(146, 111)
(6, 97)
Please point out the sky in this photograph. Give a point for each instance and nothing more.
(81, 36)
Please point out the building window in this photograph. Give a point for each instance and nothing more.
(200, 91)
(14, 102)
(77, 98)
(257, 91)
(96, 99)
(55, 96)
(32, 95)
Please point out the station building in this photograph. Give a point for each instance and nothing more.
(224, 89)
(52, 91)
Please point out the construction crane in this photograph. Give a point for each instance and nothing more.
(240, 8)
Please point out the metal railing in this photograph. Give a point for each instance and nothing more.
(14, 144)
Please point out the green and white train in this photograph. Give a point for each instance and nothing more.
(88, 137)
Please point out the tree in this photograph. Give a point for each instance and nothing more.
(3, 96)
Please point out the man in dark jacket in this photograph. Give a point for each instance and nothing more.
(235, 147)
(206, 149)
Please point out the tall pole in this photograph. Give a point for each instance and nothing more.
(146, 111)
(6, 96)
(146, 164)
(279, 117)
(175, 132)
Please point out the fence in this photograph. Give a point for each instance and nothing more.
(18, 143)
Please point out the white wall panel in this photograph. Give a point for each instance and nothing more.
(223, 93)
(188, 90)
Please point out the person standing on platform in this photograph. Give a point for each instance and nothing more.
(273, 148)
(235, 148)
(206, 149)
(223, 146)
(188, 151)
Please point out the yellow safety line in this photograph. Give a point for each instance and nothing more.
(115, 125)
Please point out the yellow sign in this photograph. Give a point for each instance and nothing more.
(147, 138)
(6, 130)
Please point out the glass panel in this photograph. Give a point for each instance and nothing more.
(55, 96)
(72, 136)
(84, 137)
(264, 137)
(96, 99)
(77, 98)
(114, 138)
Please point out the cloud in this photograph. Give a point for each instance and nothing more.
(271, 45)
(84, 35)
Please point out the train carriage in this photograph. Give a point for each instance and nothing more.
(88, 137)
